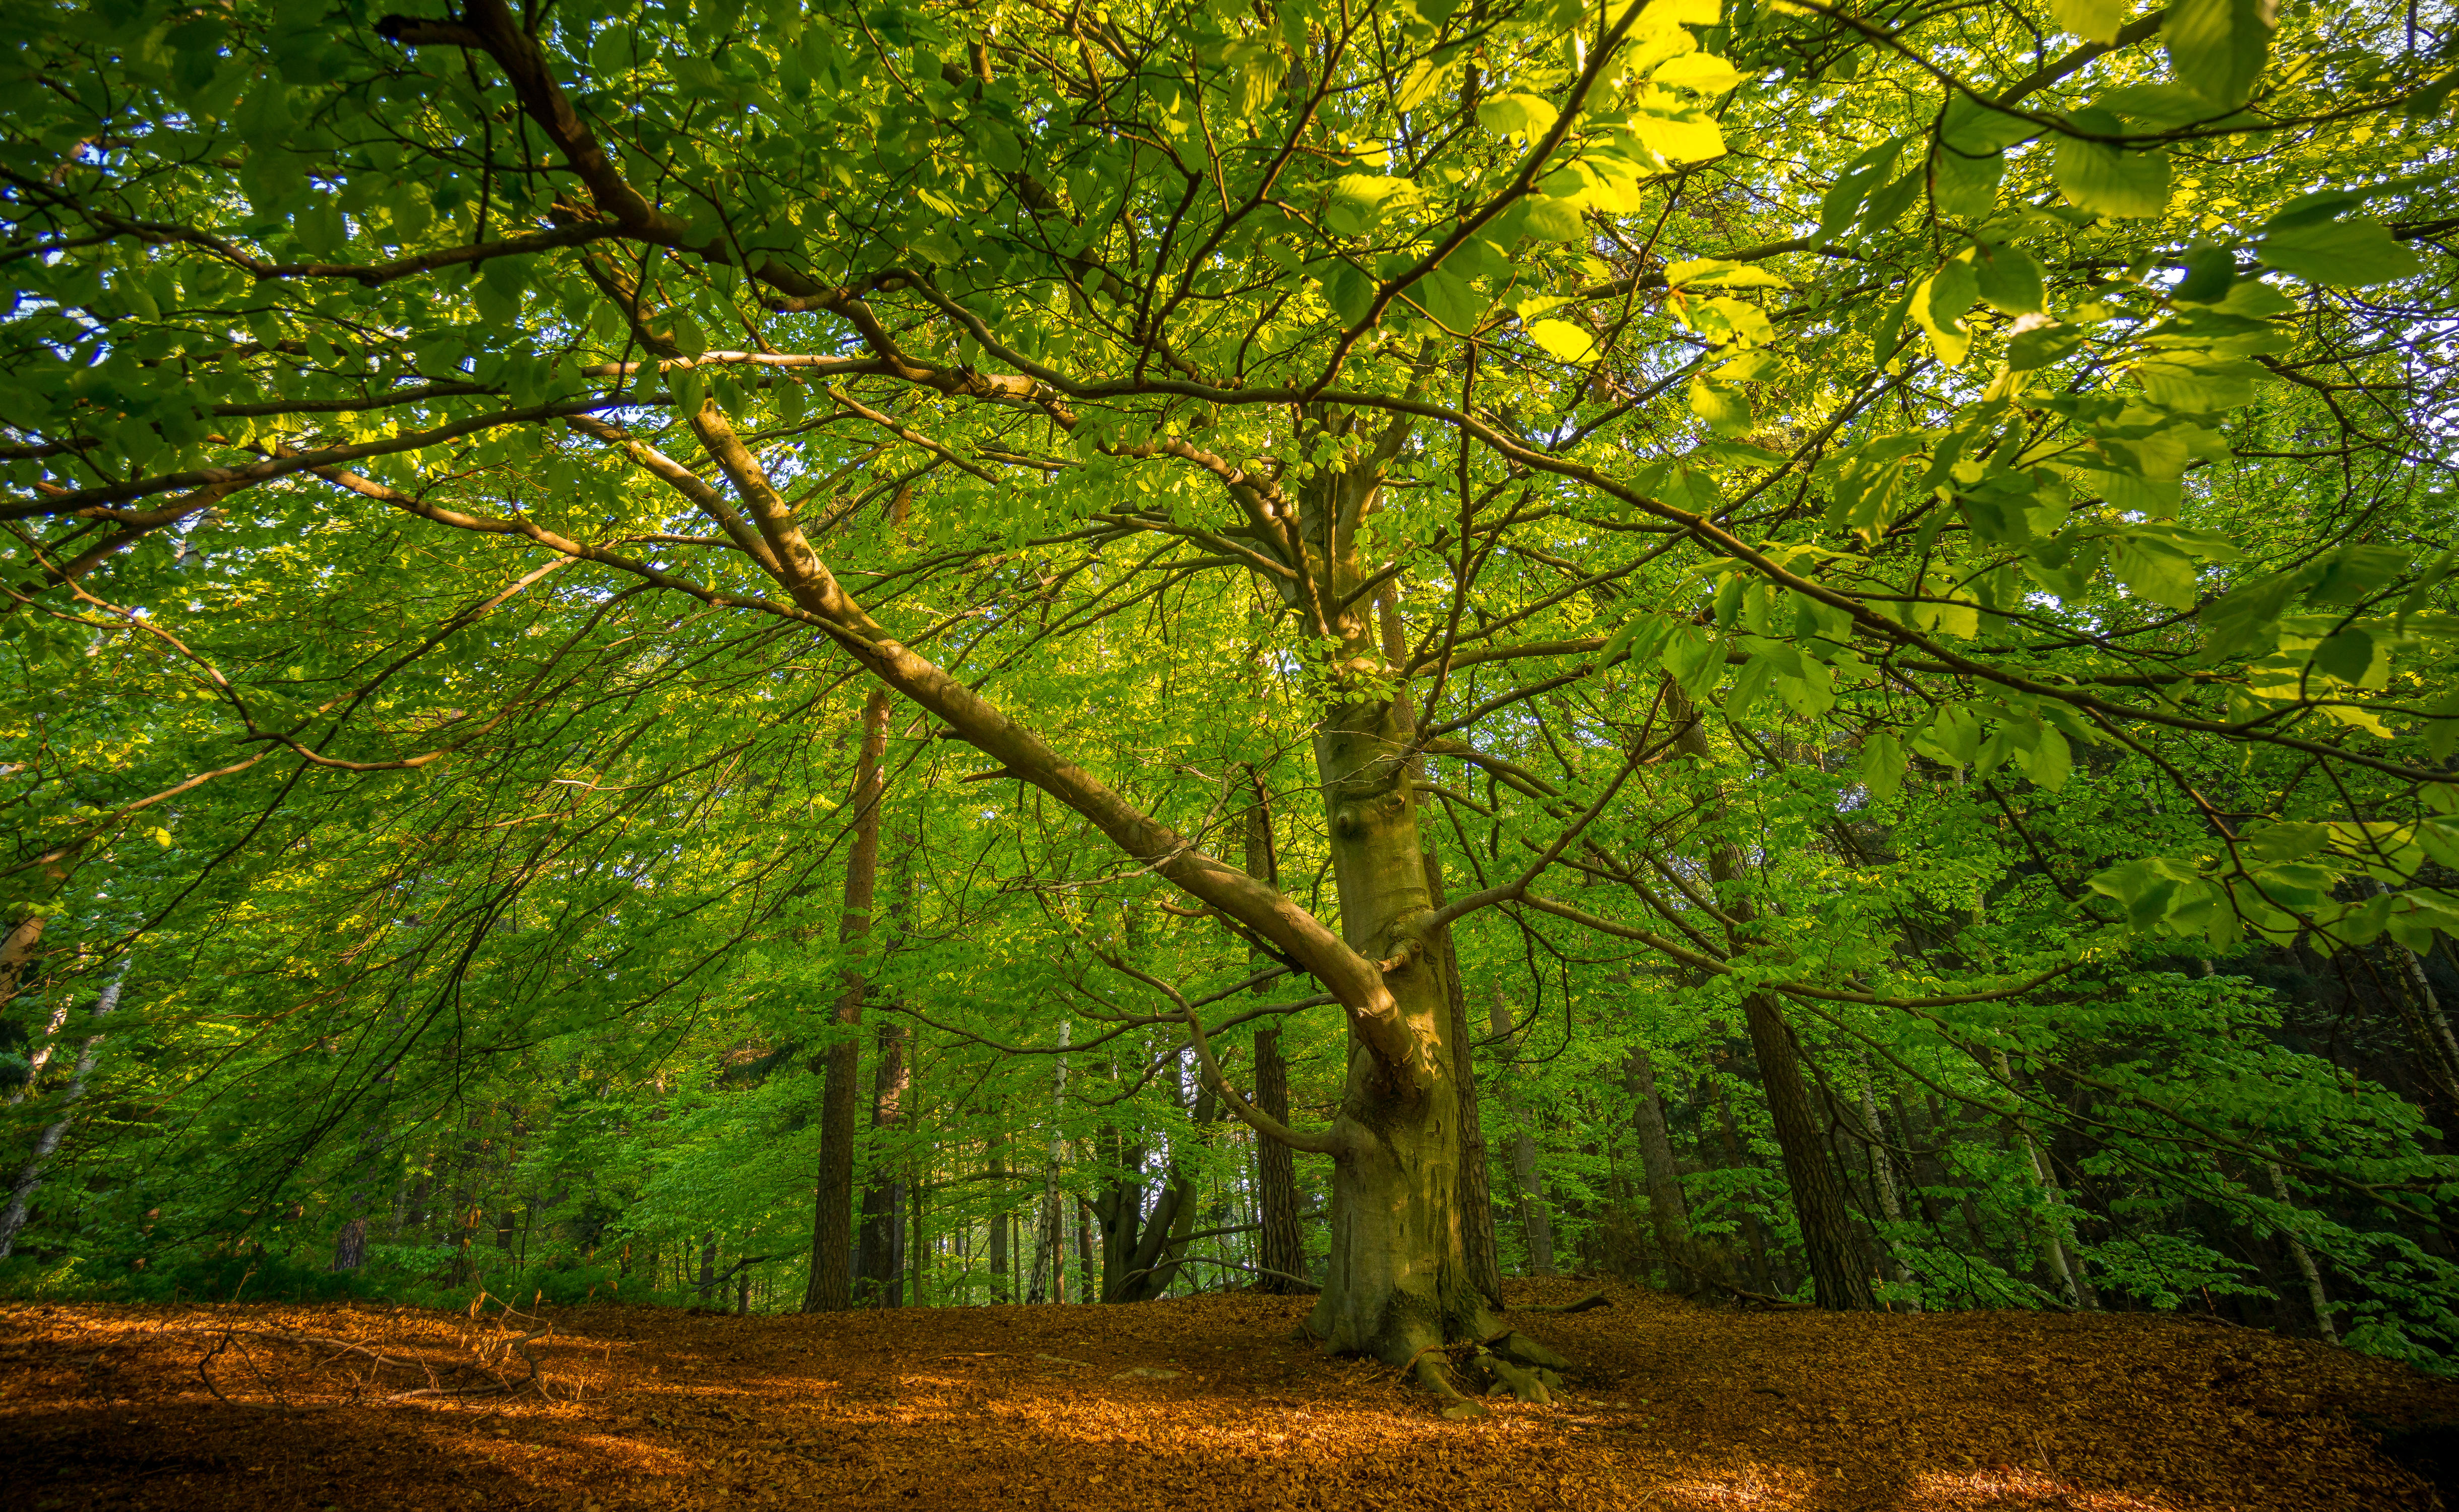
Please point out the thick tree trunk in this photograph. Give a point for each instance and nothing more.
(832, 1288)
(1281, 1252)
(1398, 1278)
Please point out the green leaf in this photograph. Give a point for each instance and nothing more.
(2348, 656)
(1938, 304)
(1563, 340)
(2209, 271)
(1882, 763)
(2150, 568)
(2218, 47)
(2092, 20)
(1963, 186)
(2008, 279)
(1727, 409)
(2341, 254)
(1527, 116)
(1350, 293)
(1748, 687)
(2038, 346)
(2110, 182)
(1853, 187)
(1704, 72)
(1555, 220)
(2049, 761)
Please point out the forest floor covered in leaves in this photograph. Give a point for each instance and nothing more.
(1208, 1402)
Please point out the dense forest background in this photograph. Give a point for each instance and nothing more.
(1902, 553)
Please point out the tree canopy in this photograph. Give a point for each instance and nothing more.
(1807, 648)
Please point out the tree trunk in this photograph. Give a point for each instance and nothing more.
(1536, 1225)
(1281, 1247)
(1837, 1277)
(1397, 1278)
(832, 1288)
(1475, 1194)
(1002, 1284)
(1882, 1172)
(1668, 1214)
(2315, 1298)
(881, 1280)
(47, 1143)
(1753, 1235)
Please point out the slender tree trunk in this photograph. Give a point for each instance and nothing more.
(1536, 1225)
(47, 1143)
(832, 1288)
(1282, 1251)
(1668, 1214)
(2315, 1299)
(1002, 1283)
(2052, 1238)
(41, 1055)
(1882, 1174)
(1475, 1194)
(1754, 1234)
(882, 1266)
(1837, 1277)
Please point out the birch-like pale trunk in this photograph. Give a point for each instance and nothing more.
(47, 1143)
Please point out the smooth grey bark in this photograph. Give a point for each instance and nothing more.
(1882, 1172)
(1668, 1214)
(47, 1143)
(1002, 1278)
(2315, 1298)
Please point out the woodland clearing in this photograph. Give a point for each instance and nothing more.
(1674, 1406)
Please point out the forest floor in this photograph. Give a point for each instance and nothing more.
(1201, 1403)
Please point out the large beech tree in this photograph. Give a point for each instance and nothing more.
(2010, 393)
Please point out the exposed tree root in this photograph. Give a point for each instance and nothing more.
(1594, 1299)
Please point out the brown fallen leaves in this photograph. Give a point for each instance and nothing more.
(1672, 1407)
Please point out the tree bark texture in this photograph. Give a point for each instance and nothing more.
(1281, 1249)
(831, 1284)
(47, 1143)
(1838, 1277)
(1661, 1175)
(880, 1278)
(1528, 1187)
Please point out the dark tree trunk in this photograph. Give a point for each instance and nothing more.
(1838, 1274)
(832, 1288)
(881, 1266)
(1282, 1251)
(1002, 1283)
(1476, 1191)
